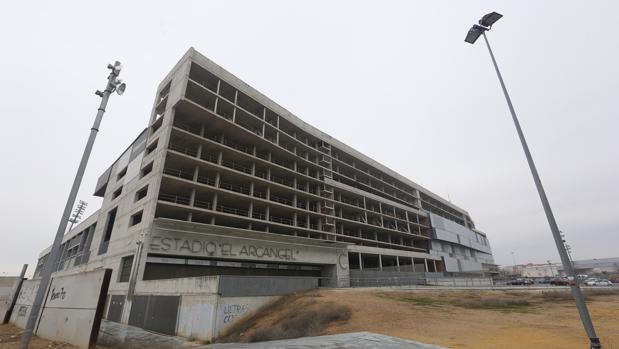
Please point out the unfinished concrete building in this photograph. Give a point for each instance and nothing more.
(224, 181)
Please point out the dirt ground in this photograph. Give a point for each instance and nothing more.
(11, 335)
(463, 319)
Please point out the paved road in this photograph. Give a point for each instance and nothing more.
(356, 340)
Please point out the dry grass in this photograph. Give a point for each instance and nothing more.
(566, 295)
(304, 316)
(302, 323)
(495, 303)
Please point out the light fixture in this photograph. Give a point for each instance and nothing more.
(489, 19)
(474, 33)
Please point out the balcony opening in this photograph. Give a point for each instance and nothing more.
(199, 96)
(203, 77)
(226, 91)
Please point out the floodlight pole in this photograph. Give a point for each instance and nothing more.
(565, 259)
(52, 259)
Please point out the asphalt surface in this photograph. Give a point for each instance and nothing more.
(356, 340)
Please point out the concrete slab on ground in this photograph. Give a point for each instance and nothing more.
(355, 340)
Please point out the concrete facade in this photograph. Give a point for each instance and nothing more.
(224, 181)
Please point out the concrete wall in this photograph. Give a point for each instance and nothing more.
(232, 309)
(210, 304)
(459, 282)
(70, 312)
(7, 287)
(21, 312)
(237, 286)
(180, 286)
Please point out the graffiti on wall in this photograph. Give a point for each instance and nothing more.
(232, 312)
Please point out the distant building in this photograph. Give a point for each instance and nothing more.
(596, 266)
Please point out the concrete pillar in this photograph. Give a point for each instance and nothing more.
(251, 209)
(220, 156)
(380, 262)
(196, 173)
(434, 261)
(214, 202)
(268, 193)
(397, 262)
(413, 261)
(253, 167)
(192, 196)
(267, 214)
(294, 219)
(425, 261)
(251, 188)
(199, 153)
(360, 262)
(217, 179)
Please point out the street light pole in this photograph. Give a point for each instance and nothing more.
(484, 25)
(113, 84)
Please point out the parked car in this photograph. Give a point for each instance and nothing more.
(603, 282)
(560, 282)
(591, 281)
(520, 281)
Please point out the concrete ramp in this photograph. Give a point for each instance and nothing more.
(356, 340)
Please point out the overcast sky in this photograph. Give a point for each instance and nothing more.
(394, 80)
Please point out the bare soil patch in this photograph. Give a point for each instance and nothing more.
(452, 318)
(10, 337)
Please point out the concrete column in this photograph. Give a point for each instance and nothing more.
(380, 262)
(251, 209)
(192, 196)
(268, 193)
(425, 261)
(199, 152)
(196, 173)
(251, 188)
(397, 262)
(202, 130)
(294, 219)
(360, 262)
(217, 178)
(267, 213)
(434, 261)
(268, 173)
(294, 200)
(307, 220)
(214, 202)
(253, 168)
(413, 263)
(220, 157)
